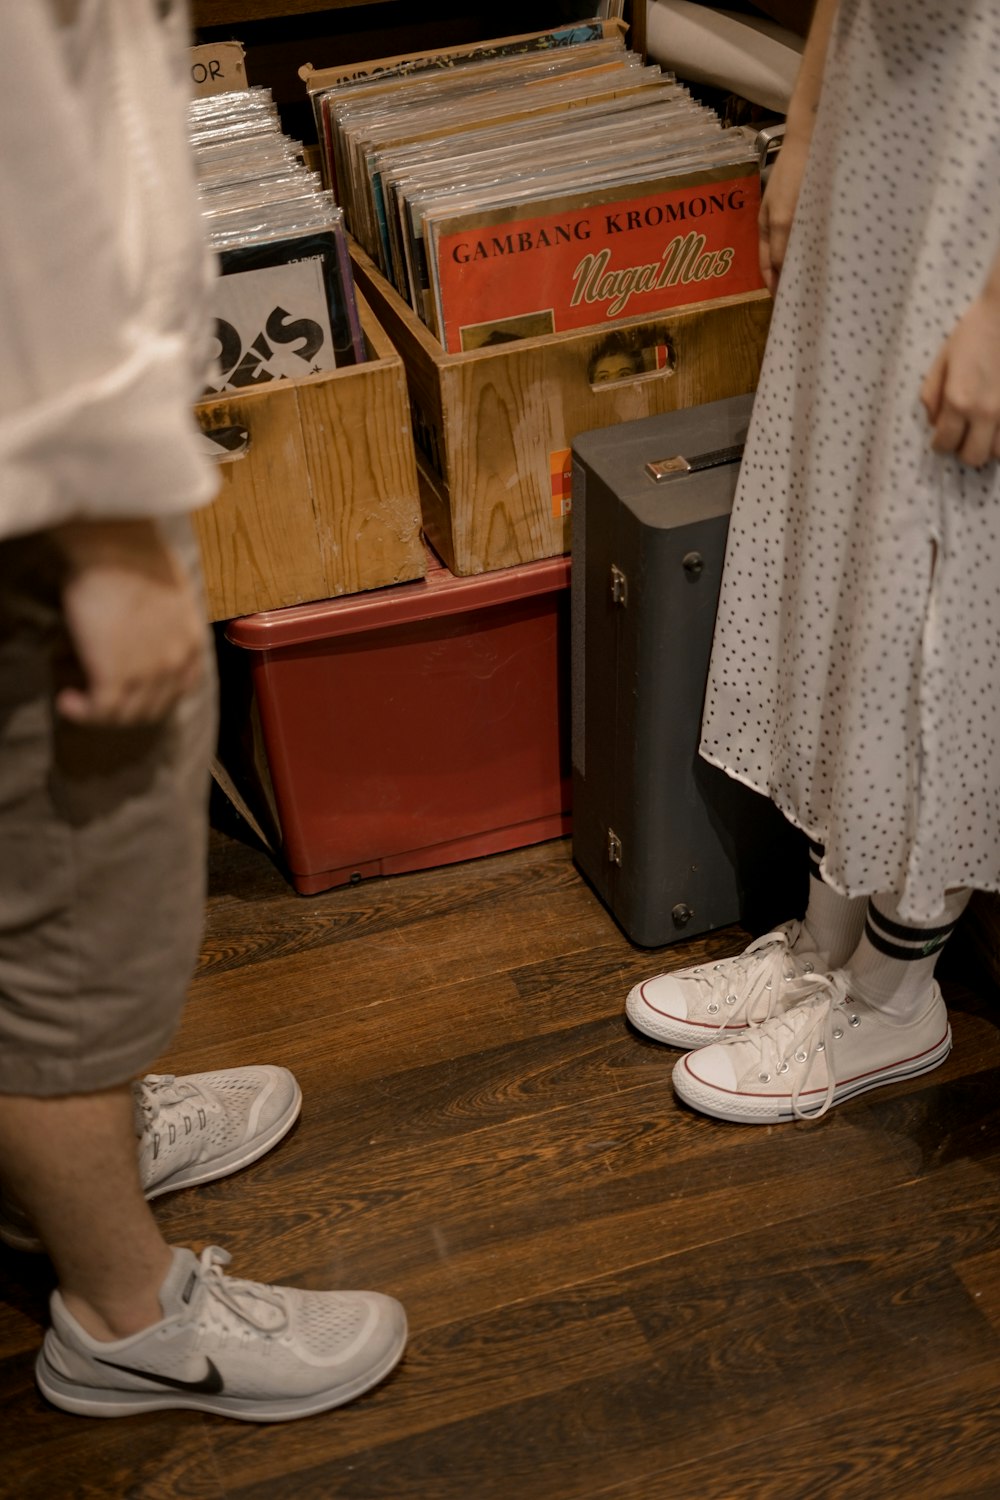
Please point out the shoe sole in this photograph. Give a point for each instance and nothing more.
(90, 1401)
(753, 1109)
(243, 1156)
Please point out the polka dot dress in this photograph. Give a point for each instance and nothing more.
(855, 675)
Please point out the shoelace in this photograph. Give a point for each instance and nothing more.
(798, 1034)
(225, 1297)
(159, 1093)
(760, 974)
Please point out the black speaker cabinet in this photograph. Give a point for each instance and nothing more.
(672, 845)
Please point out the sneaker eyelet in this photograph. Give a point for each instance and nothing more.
(855, 1021)
(801, 1057)
(783, 1068)
(838, 1034)
(713, 1009)
(768, 985)
(820, 1046)
(808, 968)
(731, 999)
(764, 1077)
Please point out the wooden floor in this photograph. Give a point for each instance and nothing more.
(608, 1295)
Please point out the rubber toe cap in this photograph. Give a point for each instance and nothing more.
(713, 1066)
(663, 995)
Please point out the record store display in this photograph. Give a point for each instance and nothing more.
(537, 184)
(284, 304)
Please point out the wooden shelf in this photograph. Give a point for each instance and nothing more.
(208, 13)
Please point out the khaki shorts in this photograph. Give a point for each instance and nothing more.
(102, 859)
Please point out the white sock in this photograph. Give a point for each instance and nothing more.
(833, 923)
(893, 965)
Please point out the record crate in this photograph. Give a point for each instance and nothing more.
(493, 426)
(318, 494)
(404, 728)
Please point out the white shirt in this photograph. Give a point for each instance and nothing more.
(103, 272)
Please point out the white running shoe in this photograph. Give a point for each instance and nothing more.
(800, 1063)
(233, 1348)
(692, 1007)
(192, 1130)
(203, 1126)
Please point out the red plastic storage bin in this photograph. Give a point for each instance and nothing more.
(417, 725)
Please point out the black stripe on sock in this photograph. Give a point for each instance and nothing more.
(907, 934)
(908, 955)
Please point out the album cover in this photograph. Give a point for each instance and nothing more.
(588, 258)
(283, 309)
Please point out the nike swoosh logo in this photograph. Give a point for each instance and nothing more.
(210, 1384)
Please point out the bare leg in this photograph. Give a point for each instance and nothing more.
(71, 1161)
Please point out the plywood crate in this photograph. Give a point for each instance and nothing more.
(493, 426)
(324, 500)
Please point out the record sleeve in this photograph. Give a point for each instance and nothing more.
(579, 259)
(614, 149)
(283, 309)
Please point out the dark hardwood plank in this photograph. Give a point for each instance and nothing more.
(980, 1275)
(25, 1284)
(609, 1295)
(501, 1213)
(264, 923)
(942, 1445)
(539, 886)
(164, 1456)
(472, 1370)
(773, 1334)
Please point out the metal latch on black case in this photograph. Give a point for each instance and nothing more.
(677, 465)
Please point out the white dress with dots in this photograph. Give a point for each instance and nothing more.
(855, 674)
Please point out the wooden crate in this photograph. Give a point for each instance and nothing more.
(325, 499)
(493, 426)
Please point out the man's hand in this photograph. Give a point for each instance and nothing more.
(961, 393)
(133, 620)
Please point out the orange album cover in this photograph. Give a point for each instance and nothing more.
(635, 249)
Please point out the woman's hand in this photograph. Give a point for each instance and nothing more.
(785, 178)
(961, 393)
(777, 209)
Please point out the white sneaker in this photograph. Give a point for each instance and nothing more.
(192, 1130)
(234, 1348)
(822, 1051)
(203, 1126)
(691, 1007)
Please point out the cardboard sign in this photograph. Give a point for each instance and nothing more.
(217, 68)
